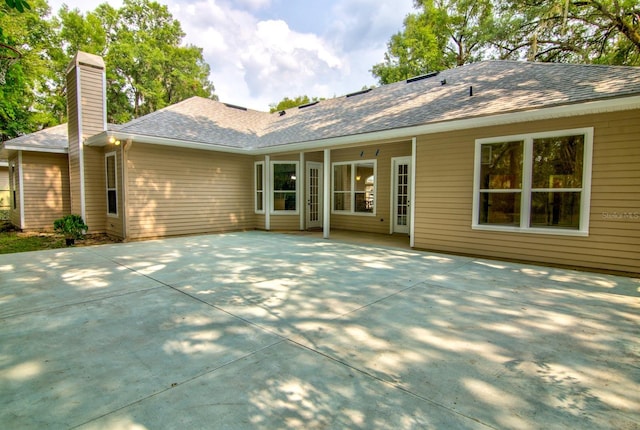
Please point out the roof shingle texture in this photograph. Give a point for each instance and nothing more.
(498, 87)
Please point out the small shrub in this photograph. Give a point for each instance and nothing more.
(71, 226)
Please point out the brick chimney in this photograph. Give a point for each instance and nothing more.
(87, 116)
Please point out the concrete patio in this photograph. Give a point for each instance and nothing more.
(262, 330)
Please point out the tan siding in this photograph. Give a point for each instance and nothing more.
(74, 152)
(285, 222)
(444, 193)
(95, 190)
(92, 102)
(46, 189)
(91, 113)
(173, 191)
(380, 222)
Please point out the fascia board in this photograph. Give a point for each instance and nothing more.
(102, 138)
(35, 149)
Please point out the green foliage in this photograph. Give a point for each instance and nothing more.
(449, 33)
(12, 241)
(19, 5)
(71, 226)
(444, 34)
(148, 67)
(23, 97)
(287, 103)
(586, 31)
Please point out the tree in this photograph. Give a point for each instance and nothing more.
(585, 31)
(287, 103)
(449, 33)
(23, 107)
(147, 67)
(444, 34)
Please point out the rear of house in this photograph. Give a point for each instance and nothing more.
(527, 161)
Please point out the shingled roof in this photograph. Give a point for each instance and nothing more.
(52, 139)
(486, 89)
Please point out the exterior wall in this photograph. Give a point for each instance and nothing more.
(444, 197)
(46, 189)
(380, 222)
(95, 189)
(86, 104)
(173, 191)
(74, 145)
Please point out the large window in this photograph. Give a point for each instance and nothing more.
(285, 186)
(258, 180)
(534, 183)
(354, 187)
(112, 183)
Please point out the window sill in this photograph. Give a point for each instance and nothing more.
(547, 231)
(284, 213)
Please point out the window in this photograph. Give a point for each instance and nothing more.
(285, 186)
(259, 186)
(354, 187)
(534, 183)
(14, 182)
(112, 187)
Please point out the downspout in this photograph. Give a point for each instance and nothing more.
(326, 206)
(412, 181)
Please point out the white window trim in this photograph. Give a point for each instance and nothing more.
(527, 166)
(352, 191)
(106, 182)
(255, 188)
(273, 190)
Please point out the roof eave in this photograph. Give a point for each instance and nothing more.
(33, 149)
(102, 139)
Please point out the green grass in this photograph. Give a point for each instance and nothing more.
(11, 242)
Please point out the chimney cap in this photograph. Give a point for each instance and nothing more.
(86, 59)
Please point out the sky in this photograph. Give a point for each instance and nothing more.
(261, 51)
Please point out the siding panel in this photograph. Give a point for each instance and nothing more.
(46, 188)
(444, 193)
(172, 191)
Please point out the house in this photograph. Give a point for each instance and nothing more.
(531, 161)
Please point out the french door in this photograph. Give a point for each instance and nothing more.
(401, 194)
(314, 195)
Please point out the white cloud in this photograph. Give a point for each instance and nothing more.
(257, 57)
